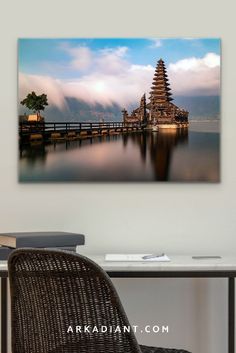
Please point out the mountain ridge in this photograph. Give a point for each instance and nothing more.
(199, 107)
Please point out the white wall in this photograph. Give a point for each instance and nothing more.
(176, 218)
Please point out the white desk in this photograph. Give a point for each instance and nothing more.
(178, 267)
(177, 263)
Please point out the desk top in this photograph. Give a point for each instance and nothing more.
(177, 263)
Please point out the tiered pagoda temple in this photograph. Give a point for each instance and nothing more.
(160, 111)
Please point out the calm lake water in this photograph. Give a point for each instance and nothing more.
(183, 155)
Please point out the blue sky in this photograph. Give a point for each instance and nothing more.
(38, 56)
(115, 70)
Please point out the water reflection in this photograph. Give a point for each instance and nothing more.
(35, 153)
(141, 156)
(159, 147)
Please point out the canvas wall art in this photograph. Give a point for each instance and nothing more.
(119, 109)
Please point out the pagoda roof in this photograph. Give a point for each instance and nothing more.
(163, 76)
(161, 70)
(160, 78)
(156, 94)
(160, 84)
(160, 73)
(160, 67)
(160, 89)
(160, 100)
(161, 93)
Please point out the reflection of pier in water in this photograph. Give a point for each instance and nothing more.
(155, 148)
(159, 147)
(37, 151)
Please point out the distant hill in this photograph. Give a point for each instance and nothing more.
(198, 107)
(79, 111)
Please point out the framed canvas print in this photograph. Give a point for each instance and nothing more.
(119, 109)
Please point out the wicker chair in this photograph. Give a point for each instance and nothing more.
(54, 291)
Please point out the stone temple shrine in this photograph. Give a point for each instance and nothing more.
(159, 112)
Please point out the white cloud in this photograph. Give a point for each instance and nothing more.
(111, 61)
(119, 51)
(81, 56)
(42, 84)
(196, 76)
(107, 78)
(111, 78)
(156, 43)
(210, 60)
(83, 59)
(123, 88)
(142, 68)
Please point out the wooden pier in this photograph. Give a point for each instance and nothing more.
(56, 131)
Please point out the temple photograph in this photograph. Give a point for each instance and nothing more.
(160, 112)
(119, 110)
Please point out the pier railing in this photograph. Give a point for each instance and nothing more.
(46, 129)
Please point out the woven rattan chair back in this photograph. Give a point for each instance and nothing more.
(52, 292)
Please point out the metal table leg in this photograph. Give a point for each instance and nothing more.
(4, 315)
(231, 308)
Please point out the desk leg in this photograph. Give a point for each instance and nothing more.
(231, 323)
(4, 315)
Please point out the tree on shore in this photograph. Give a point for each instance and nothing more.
(35, 102)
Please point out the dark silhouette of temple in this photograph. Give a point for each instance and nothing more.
(160, 111)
